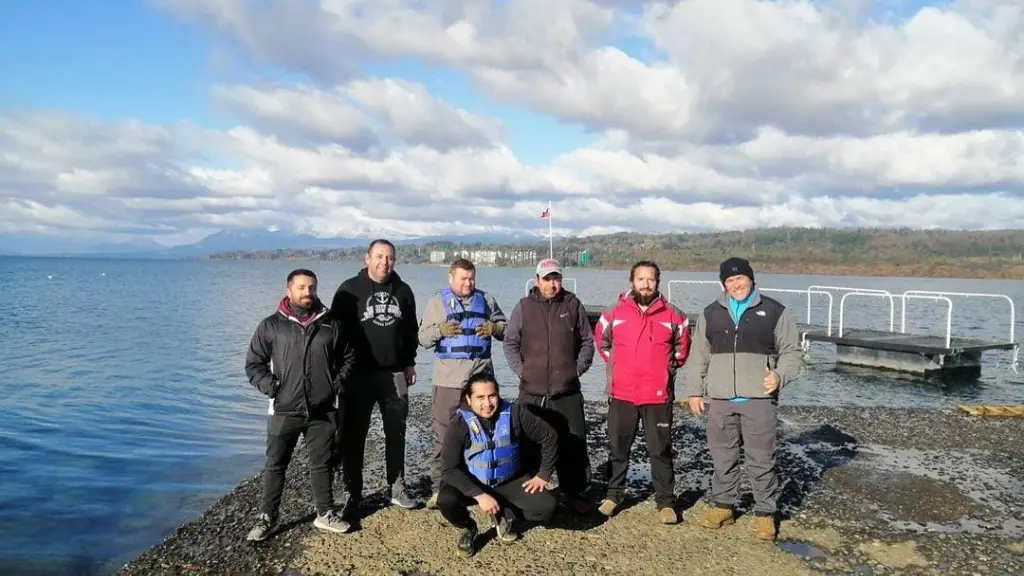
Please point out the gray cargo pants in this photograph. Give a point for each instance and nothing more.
(443, 404)
(754, 423)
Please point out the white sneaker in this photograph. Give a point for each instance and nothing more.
(263, 528)
(332, 522)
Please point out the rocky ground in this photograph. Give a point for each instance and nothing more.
(867, 491)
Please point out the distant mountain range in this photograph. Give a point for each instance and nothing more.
(223, 241)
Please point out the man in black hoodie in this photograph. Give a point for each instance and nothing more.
(381, 309)
(299, 357)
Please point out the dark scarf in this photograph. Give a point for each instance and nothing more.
(303, 315)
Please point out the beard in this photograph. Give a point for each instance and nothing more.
(645, 299)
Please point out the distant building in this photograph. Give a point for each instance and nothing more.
(522, 257)
(488, 257)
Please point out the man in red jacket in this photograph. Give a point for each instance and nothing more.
(643, 340)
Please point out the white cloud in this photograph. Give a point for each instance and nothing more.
(318, 37)
(731, 66)
(416, 117)
(361, 115)
(711, 114)
(805, 69)
(302, 113)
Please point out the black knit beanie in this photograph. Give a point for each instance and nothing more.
(735, 267)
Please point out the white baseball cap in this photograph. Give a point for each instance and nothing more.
(548, 266)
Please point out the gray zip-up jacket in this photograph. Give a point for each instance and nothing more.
(453, 373)
(728, 361)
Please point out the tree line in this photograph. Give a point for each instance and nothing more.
(825, 251)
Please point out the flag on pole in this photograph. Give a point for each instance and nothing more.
(546, 215)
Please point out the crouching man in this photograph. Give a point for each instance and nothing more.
(480, 464)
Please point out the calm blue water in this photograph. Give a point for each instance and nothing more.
(126, 411)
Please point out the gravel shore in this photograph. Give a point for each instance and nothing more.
(866, 491)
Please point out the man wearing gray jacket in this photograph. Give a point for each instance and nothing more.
(746, 347)
(459, 325)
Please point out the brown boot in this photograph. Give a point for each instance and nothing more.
(717, 517)
(764, 527)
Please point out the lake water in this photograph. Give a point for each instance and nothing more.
(126, 411)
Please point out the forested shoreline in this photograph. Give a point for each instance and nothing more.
(819, 251)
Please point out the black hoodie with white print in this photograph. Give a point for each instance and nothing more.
(385, 313)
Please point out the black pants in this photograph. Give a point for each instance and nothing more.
(282, 435)
(623, 418)
(537, 507)
(565, 414)
(389, 392)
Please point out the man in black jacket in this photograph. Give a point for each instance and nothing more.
(299, 357)
(382, 311)
(549, 344)
(481, 464)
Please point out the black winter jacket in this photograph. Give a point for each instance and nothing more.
(302, 367)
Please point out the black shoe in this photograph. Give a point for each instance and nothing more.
(351, 511)
(467, 543)
(505, 527)
(580, 506)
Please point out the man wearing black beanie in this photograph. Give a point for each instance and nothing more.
(735, 267)
(745, 348)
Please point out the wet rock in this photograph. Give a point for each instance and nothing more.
(898, 555)
(907, 496)
(802, 549)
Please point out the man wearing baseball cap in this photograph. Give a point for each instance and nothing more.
(549, 344)
(746, 347)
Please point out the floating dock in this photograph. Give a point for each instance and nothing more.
(893, 349)
(914, 353)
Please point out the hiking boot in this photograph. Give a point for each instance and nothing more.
(505, 527)
(432, 502)
(608, 507)
(667, 515)
(332, 522)
(401, 498)
(265, 524)
(764, 528)
(718, 517)
(466, 546)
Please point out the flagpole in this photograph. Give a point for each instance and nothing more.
(551, 241)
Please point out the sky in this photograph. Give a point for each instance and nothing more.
(167, 120)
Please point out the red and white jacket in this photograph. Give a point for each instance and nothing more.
(642, 349)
